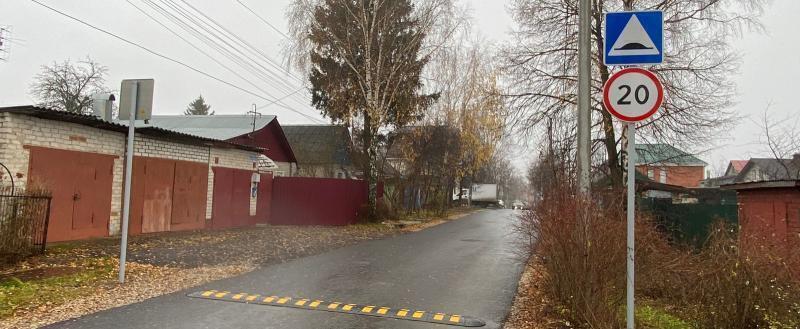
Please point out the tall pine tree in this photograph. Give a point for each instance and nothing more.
(198, 107)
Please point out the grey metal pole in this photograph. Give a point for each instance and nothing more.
(631, 131)
(126, 202)
(584, 94)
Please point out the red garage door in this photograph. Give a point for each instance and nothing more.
(80, 183)
(231, 206)
(168, 195)
(189, 196)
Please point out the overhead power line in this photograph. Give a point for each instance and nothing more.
(168, 58)
(263, 20)
(210, 32)
(214, 35)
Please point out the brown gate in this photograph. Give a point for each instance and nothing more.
(168, 195)
(159, 175)
(231, 206)
(189, 196)
(80, 184)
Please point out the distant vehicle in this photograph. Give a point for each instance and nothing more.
(486, 195)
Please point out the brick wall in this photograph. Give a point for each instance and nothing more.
(686, 176)
(156, 148)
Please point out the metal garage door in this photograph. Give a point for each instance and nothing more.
(168, 195)
(80, 183)
(189, 196)
(231, 206)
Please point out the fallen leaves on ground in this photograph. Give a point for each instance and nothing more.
(532, 309)
(160, 264)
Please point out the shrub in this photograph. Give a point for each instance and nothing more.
(586, 264)
(732, 282)
(745, 281)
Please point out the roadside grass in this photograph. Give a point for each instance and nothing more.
(431, 214)
(648, 316)
(16, 294)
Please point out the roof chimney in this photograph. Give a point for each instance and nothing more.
(102, 105)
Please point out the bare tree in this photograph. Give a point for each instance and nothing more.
(69, 87)
(541, 69)
(365, 58)
(469, 101)
(782, 140)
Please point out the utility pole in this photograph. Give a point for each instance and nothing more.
(255, 114)
(584, 95)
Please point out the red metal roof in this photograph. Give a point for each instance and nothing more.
(738, 165)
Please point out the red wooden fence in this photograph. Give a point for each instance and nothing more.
(316, 201)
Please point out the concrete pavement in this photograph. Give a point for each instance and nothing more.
(464, 267)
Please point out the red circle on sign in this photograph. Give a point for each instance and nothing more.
(633, 70)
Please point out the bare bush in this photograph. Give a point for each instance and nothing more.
(585, 264)
(733, 282)
(745, 282)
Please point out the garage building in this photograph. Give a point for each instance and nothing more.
(176, 176)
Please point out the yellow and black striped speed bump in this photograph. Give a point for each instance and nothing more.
(339, 307)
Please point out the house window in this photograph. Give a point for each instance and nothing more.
(651, 173)
(663, 176)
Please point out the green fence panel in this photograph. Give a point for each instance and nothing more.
(689, 223)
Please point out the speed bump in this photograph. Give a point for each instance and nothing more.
(340, 307)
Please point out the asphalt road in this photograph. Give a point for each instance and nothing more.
(462, 267)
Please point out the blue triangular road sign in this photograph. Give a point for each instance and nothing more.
(634, 38)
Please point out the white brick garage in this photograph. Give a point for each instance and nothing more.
(29, 132)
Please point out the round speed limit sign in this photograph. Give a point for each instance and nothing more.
(633, 94)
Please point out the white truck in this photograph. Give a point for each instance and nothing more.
(486, 195)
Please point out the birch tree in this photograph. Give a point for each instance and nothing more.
(541, 67)
(364, 59)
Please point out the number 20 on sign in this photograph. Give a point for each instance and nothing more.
(633, 94)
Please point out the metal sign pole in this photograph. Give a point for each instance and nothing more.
(584, 96)
(631, 131)
(126, 206)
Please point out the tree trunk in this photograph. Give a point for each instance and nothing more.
(609, 135)
(370, 171)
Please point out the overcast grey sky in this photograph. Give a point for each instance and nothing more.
(770, 68)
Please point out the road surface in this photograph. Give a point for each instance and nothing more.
(464, 267)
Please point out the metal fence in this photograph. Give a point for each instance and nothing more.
(23, 224)
(689, 223)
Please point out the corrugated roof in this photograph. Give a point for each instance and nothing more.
(220, 127)
(772, 169)
(95, 122)
(319, 144)
(665, 153)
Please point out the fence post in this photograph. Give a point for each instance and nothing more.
(46, 223)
